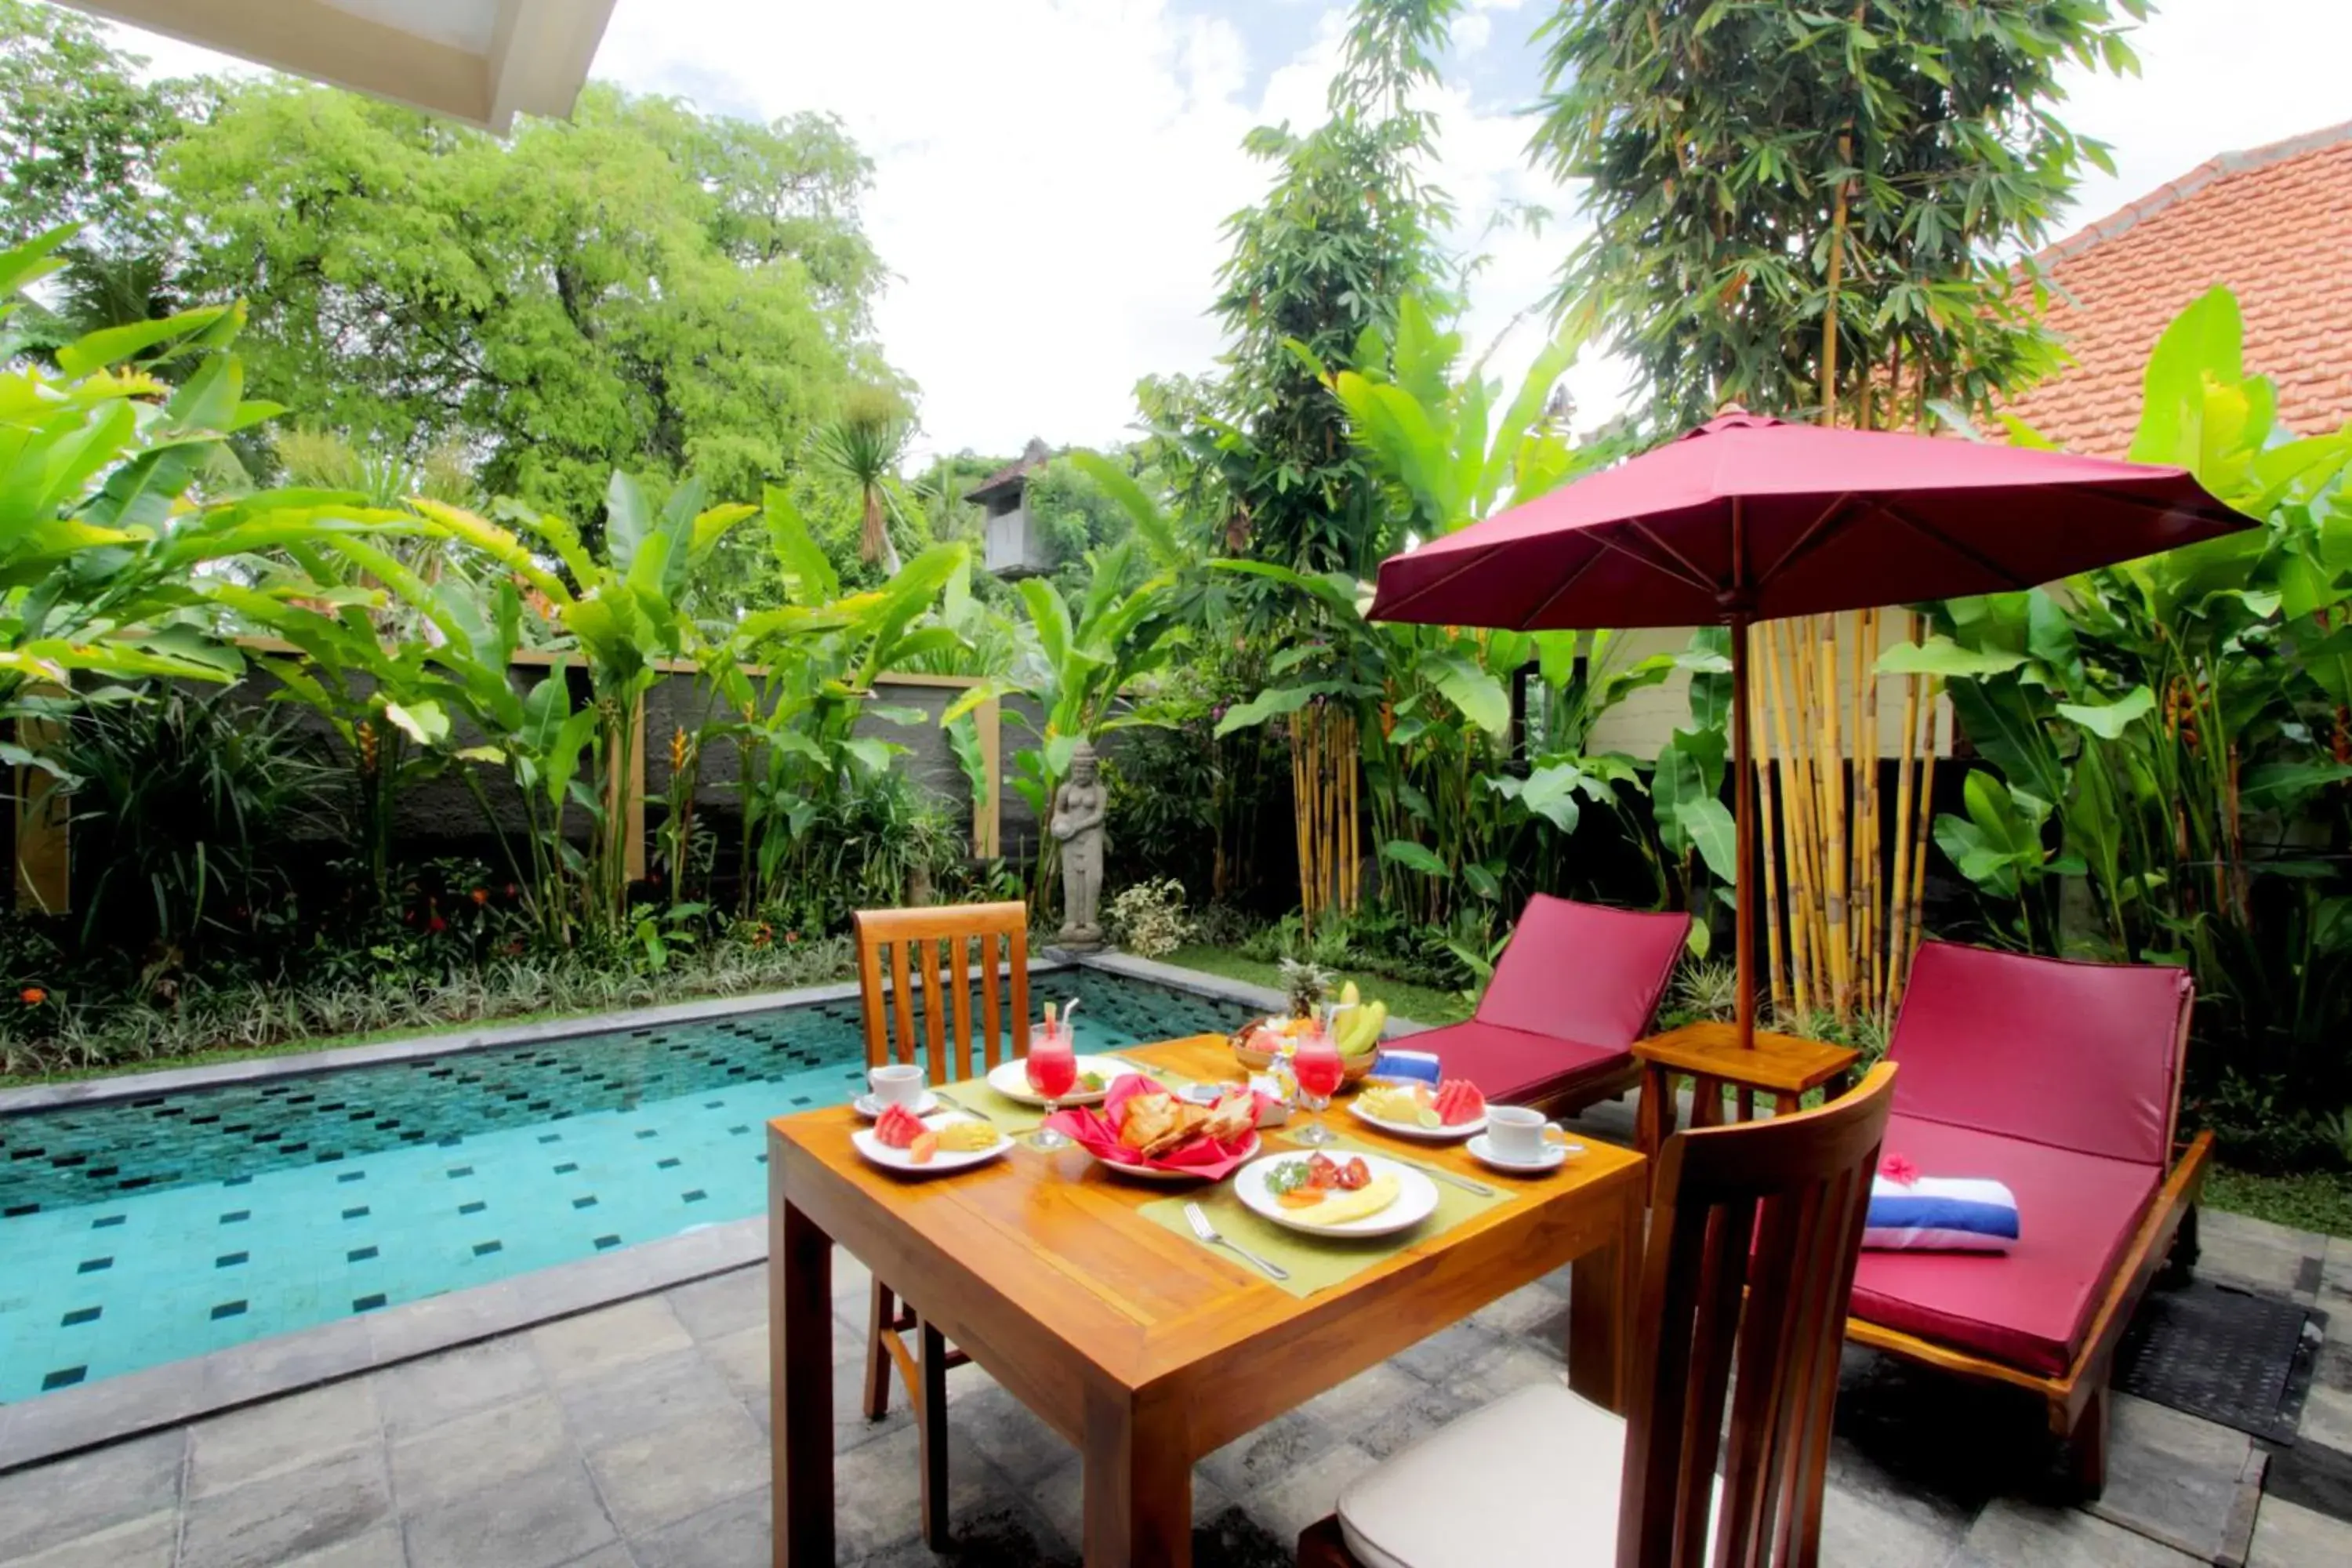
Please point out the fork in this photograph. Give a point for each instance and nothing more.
(1208, 1233)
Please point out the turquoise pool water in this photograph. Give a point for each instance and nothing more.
(141, 1232)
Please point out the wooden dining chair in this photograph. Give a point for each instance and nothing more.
(1754, 1229)
(935, 959)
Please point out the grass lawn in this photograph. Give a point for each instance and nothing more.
(1419, 1002)
(2312, 1200)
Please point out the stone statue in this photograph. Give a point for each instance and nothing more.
(1077, 826)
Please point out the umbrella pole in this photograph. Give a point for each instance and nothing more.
(1743, 795)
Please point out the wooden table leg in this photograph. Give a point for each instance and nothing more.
(1706, 1100)
(1653, 1119)
(800, 1380)
(1603, 1286)
(1787, 1104)
(931, 1432)
(1139, 1482)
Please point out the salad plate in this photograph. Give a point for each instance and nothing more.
(1412, 1197)
(1011, 1080)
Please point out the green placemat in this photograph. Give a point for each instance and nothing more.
(1313, 1262)
(1013, 1118)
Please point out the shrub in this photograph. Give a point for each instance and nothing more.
(1149, 919)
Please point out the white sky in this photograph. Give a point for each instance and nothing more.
(1051, 175)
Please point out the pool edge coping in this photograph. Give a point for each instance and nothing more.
(70, 1421)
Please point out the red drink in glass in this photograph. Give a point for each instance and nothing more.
(1319, 1067)
(1053, 1066)
(1315, 1063)
(1053, 1069)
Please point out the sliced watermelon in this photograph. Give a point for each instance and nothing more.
(1458, 1100)
(897, 1127)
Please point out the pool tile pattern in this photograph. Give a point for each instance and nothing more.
(376, 1185)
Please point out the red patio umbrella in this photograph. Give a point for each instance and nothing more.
(1746, 519)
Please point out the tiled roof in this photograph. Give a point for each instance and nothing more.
(2273, 224)
(1036, 456)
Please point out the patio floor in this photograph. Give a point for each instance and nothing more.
(637, 1433)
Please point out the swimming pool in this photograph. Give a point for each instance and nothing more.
(143, 1231)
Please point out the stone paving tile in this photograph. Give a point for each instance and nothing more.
(733, 1534)
(2327, 1418)
(377, 1549)
(714, 1307)
(641, 1396)
(880, 1491)
(485, 1449)
(2255, 1252)
(597, 1342)
(1269, 1454)
(680, 1469)
(150, 1542)
(2172, 1476)
(1864, 1529)
(2288, 1536)
(265, 1440)
(1060, 1496)
(288, 1515)
(418, 1396)
(534, 1520)
(2009, 1534)
(69, 1498)
(1293, 1501)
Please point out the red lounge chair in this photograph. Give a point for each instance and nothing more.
(2064, 1080)
(1576, 987)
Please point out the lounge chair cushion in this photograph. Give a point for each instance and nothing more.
(2030, 1307)
(1531, 1479)
(1582, 972)
(2077, 1055)
(1514, 1066)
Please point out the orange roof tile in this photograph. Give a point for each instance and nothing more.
(2274, 225)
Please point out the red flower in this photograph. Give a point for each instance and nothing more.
(481, 895)
(792, 936)
(513, 891)
(1899, 1170)
(33, 995)
(436, 926)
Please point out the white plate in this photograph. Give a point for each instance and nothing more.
(1011, 1080)
(1154, 1173)
(1413, 1129)
(1416, 1197)
(1555, 1155)
(942, 1163)
(869, 1107)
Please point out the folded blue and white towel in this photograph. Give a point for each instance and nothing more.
(1940, 1214)
(1404, 1067)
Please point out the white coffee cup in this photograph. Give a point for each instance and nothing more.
(897, 1083)
(1515, 1132)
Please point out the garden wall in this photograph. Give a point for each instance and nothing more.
(442, 816)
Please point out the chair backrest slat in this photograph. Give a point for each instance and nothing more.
(1754, 1230)
(921, 986)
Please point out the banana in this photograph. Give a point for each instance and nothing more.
(1363, 1031)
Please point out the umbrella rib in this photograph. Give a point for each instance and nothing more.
(2224, 513)
(1571, 581)
(1968, 551)
(1690, 572)
(1406, 602)
(1818, 529)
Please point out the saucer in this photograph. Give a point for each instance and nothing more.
(1481, 1149)
(869, 1107)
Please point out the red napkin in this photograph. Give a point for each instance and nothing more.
(1097, 1131)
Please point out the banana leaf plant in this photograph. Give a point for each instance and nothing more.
(2176, 732)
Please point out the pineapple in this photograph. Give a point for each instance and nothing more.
(1307, 983)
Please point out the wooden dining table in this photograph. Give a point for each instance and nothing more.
(1144, 1347)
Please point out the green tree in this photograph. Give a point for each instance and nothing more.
(638, 288)
(81, 131)
(1807, 209)
(1348, 228)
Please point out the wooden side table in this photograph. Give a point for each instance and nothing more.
(1782, 1066)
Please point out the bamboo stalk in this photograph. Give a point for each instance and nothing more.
(1873, 856)
(1790, 811)
(1898, 905)
(1762, 746)
(1833, 901)
(1919, 845)
(1808, 807)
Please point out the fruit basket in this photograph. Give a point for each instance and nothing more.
(1258, 1061)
